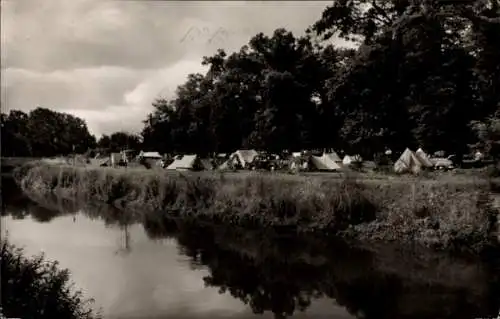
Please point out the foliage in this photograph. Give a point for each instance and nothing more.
(43, 132)
(488, 135)
(36, 288)
(405, 210)
(119, 141)
(420, 73)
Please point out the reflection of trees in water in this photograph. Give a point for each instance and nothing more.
(14, 203)
(46, 208)
(284, 275)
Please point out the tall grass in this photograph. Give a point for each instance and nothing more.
(36, 288)
(441, 214)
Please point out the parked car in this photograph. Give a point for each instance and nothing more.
(442, 163)
(264, 161)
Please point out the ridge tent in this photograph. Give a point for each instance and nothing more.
(245, 157)
(354, 159)
(424, 158)
(324, 163)
(154, 155)
(186, 162)
(334, 157)
(408, 162)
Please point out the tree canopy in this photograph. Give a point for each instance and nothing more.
(43, 132)
(421, 73)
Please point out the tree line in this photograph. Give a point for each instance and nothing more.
(422, 73)
(44, 133)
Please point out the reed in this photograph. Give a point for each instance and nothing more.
(441, 214)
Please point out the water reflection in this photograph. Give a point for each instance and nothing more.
(283, 275)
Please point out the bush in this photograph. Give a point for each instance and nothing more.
(36, 288)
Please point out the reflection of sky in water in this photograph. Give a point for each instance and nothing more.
(153, 281)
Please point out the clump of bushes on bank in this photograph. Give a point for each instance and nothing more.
(430, 212)
(36, 288)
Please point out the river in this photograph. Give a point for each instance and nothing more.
(145, 266)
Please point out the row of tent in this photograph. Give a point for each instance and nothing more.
(115, 159)
(408, 162)
(244, 159)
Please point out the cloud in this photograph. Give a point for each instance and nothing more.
(107, 60)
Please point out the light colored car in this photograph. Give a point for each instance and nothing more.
(442, 163)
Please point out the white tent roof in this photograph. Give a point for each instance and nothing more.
(424, 158)
(348, 159)
(324, 163)
(334, 157)
(150, 155)
(245, 156)
(186, 162)
(408, 162)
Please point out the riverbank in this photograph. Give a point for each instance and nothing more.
(448, 214)
(9, 164)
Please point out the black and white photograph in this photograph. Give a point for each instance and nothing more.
(167, 159)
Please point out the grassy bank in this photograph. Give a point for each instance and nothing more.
(36, 288)
(8, 164)
(444, 214)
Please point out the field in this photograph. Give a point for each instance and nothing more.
(447, 212)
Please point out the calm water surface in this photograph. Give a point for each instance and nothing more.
(149, 267)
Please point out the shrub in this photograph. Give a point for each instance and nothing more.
(36, 288)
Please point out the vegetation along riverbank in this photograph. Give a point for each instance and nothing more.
(37, 288)
(450, 214)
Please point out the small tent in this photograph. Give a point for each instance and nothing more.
(324, 163)
(424, 158)
(334, 157)
(152, 155)
(186, 162)
(245, 157)
(354, 159)
(408, 162)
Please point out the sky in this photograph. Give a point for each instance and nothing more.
(107, 61)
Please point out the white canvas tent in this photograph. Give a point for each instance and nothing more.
(187, 162)
(324, 163)
(348, 159)
(408, 162)
(153, 155)
(245, 157)
(424, 158)
(334, 157)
